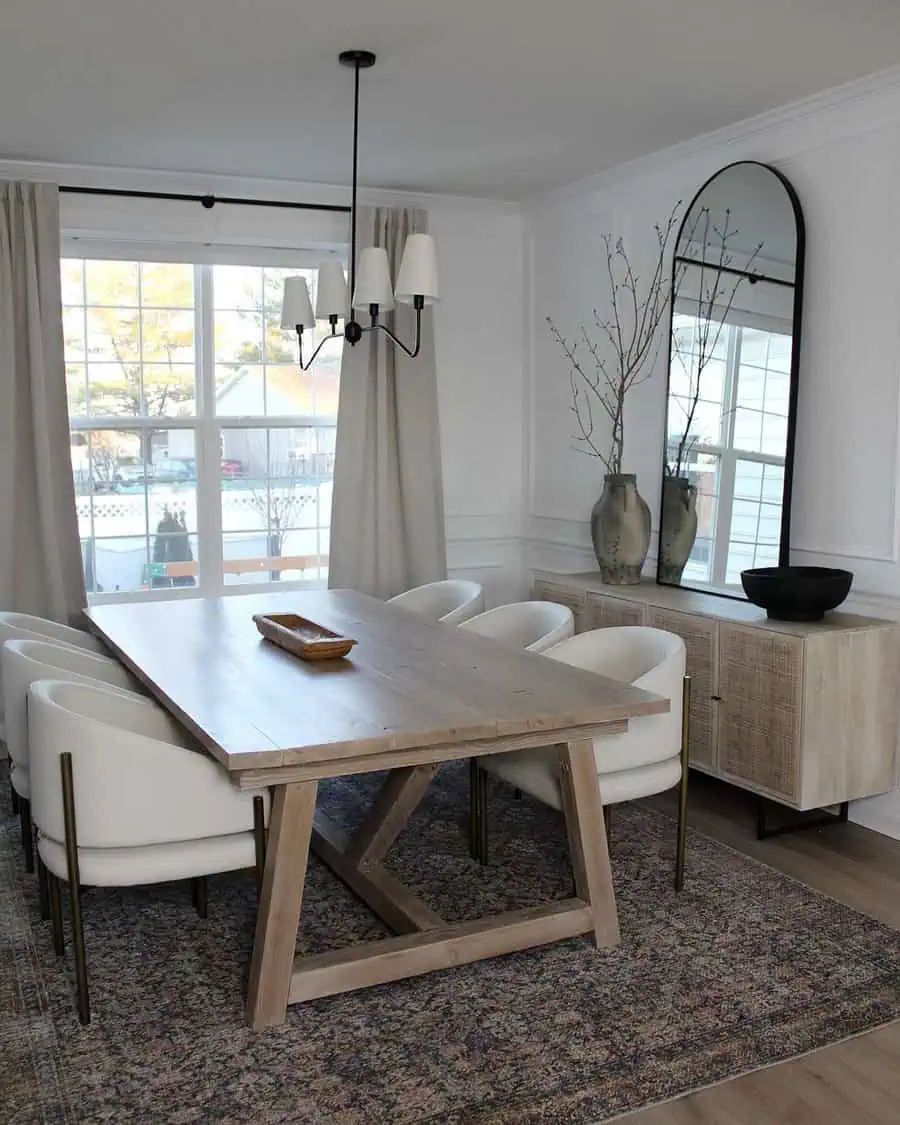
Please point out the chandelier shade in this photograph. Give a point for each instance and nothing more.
(296, 308)
(373, 281)
(331, 290)
(418, 271)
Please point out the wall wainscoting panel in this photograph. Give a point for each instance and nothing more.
(487, 549)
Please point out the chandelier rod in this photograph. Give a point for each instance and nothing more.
(359, 60)
(355, 173)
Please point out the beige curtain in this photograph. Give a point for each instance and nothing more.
(387, 517)
(40, 552)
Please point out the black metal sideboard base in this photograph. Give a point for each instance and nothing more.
(814, 818)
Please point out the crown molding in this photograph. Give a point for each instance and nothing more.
(249, 187)
(872, 90)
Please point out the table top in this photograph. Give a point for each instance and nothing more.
(408, 683)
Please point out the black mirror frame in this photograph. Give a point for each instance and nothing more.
(784, 548)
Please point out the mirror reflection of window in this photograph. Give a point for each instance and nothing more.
(738, 440)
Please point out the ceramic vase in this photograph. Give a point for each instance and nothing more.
(620, 530)
(677, 528)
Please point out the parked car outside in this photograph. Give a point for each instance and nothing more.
(174, 472)
(231, 468)
(129, 470)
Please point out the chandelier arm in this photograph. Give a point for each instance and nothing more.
(411, 352)
(306, 366)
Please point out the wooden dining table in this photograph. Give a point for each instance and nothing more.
(411, 695)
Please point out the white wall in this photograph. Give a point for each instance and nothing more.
(478, 323)
(842, 153)
(479, 337)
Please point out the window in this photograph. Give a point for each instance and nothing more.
(737, 459)
(202, 457)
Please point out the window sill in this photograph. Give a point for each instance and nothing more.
(175, 594)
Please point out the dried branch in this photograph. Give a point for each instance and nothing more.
(624, 347)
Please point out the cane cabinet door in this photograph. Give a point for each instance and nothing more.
(760, 702)
(605, 612)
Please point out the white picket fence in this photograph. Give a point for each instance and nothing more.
(122, 515)
(124, 526)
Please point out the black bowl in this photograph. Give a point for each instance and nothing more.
(796, 593)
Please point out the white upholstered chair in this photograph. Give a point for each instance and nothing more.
(649, 757)
(22, 662)
(533, 626)
(25, 625)
(121, 797)
(452, 601)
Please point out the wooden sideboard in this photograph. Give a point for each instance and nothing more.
(806, 714)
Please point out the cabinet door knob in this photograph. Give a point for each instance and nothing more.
(716, 698)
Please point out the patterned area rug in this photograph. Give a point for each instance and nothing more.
(745, 968)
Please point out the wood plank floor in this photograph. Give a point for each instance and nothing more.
(853, 1083)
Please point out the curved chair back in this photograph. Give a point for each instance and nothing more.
(138, 777)
(26, 626)
(26, 661)
(533, 626)
(452, 601)
(650, 659)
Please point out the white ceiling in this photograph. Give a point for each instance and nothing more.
(499, 98)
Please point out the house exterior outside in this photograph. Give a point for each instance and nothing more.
(275, 451)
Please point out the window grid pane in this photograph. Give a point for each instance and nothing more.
(132, 353)
(136, 507)
(274, 515)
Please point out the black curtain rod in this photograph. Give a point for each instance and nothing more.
(714, 267)
(207, 201)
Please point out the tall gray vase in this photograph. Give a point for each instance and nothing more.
(620, 530)
(677, 527)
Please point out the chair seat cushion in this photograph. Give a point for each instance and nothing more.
(155, 863)
(631, 785)
(536, 772)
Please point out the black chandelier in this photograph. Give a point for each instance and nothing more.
(370, 287)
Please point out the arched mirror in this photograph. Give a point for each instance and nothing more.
(737, 293)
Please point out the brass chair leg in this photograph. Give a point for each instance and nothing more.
(683, 788)
(482, 817)
(473, 808)
(43, 889)
(478, 834)
(27, 833)
(259, 840)
(198, 893)
(81, 976)
(56, 918)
